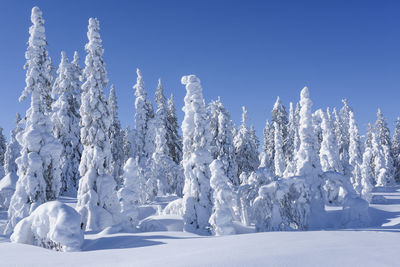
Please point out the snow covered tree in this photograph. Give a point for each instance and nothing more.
(3, 147)
(380, 172)
(38, 164)
(267, 152)
(143, 125)
(221, 219)
(383, 134)
(221, 134)
(279, 160)
(307, 160)
(396, 150)
(245, 150)
(344, 141)
(116, 138)
(329, 151)
(365, 188)
(131, 192)
(355, 154)
(197, 203)
(280, 116)
(65, 119)
(292, 132)
(127, 137)
(97, 199)
(307, 157)
(13, 148)
(174, 140)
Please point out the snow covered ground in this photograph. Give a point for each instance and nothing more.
(377, 245)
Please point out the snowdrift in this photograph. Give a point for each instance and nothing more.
(52, 225)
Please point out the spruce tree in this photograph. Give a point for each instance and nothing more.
(13, 148)
(38, 164)
(174, 140)
(143, 121)
(116, 138)
(279, 160)
(197, 198)
(221, 134)
(329, 151)
(245, 150)
(355, 154)
(383, 134)
(65, 119)
(97, 198)
(396, 149)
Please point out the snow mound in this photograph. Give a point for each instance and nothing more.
(174, 208)
(355, 212)
(7, 189)
(52, 225)
(160, 223)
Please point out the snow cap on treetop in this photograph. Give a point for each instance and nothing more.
(36, 16)
(305, 93)
(190, 79)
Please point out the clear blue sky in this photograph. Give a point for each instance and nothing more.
(247, 52)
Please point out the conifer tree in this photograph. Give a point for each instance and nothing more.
(355, 154)
(221, 219)
(383, 136)
(197, 198)
(97, 198)
(279, 160)
(246, 152)
(221, 134)
(65, 119)
(13, 148)
(38, 164)
(116, 138)
(329, 151)
(174, 140)
(396, 149)
(143, 121)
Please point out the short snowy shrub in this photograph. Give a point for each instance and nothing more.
(52, 225)
(282, 205)
(174, 208)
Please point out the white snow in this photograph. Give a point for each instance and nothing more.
(52, 225)
(376, 245)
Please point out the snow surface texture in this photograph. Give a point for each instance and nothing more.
(52, 225)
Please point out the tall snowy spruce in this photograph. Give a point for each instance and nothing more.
(267, 151)
(38, 164)
(65, 119)
(143, 121)
(279, 160)
(329, 151)
(97, 199)
(245, 150)
(355, 154)
(197, 198)
(383, 136)
(167, 174)
(221, 220)
(3, 147)
(116, 138)
(221, 133)
(280, 116)
(174, 140)
(307, 160)
(396, 150)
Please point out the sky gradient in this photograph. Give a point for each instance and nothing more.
(247, 52)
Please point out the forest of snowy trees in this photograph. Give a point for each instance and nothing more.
(70, 143)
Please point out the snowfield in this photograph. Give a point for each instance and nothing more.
(377, 245)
